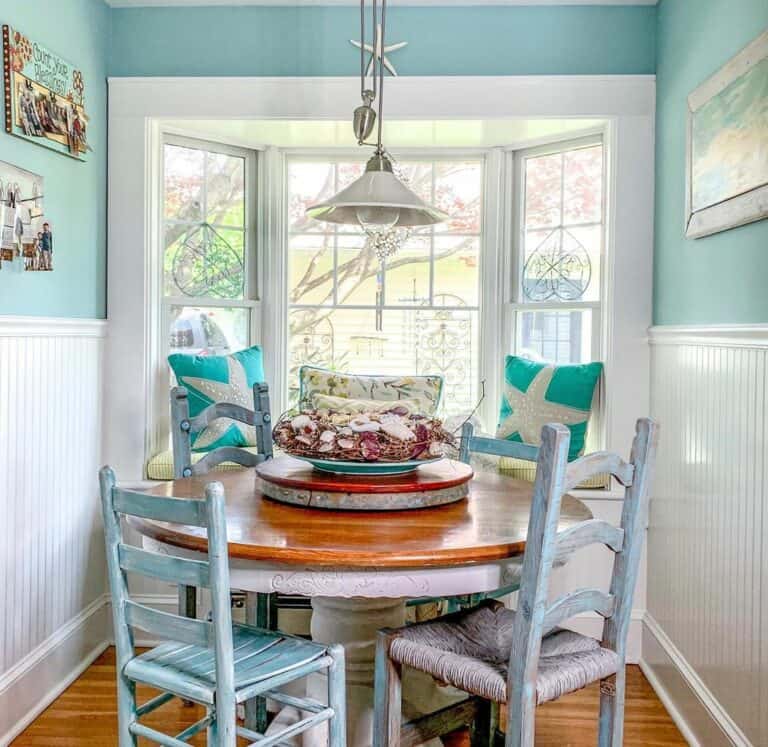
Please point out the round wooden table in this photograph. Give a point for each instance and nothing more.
(360, 567)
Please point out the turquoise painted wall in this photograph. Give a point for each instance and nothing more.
(721, 278)
(75, 192)
(479, 40)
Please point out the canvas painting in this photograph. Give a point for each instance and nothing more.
(26, 234)
(728, 145)
(44, 96)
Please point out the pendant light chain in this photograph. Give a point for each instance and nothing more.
(380, 55)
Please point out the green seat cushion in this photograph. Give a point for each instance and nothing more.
(538, 393)
(160, 467)
(220, 378)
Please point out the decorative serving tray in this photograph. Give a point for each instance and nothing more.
(339, 467)
(297, 482)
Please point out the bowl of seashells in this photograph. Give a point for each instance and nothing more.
(392, 441)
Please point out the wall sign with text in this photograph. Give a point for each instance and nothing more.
(44, 96)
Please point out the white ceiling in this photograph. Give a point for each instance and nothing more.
(397, 134)
(168, 3)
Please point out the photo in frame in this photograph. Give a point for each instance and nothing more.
(26, 234)
(727, 148)
(44, 96)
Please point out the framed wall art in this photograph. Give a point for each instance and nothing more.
(727, 148)
(44, 96)
(26, 234)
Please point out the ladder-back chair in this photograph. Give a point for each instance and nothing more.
(214, 662)
(471, 649)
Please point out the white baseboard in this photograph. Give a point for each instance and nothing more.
(32, 684)
(701, 718)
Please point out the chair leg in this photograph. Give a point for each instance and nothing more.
(187, 608)
(126, 711)
(337, 698)
(257, 613)
(485, 725)
(387, 719)
(212, 732)
(521, 719)
(222, 732)
(612, 691)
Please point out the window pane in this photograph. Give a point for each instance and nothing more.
(225, 190)
(408, 274)
(202, 261)
(543, 179)
(583, 186)
(359, 271)
(458, 188)
(555, 336)
(310, 267)
(184, 170)
(308, 183)
(563, 226)
(410, 342)
(208, 331)
(457, 270)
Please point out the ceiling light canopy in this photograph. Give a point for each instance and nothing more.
(377, 201)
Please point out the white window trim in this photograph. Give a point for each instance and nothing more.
(159, 418)
(136, 106)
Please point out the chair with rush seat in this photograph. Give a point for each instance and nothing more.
(214, 663)
(523, 658)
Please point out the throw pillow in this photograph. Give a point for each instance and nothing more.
(539, 393)
(220, 378)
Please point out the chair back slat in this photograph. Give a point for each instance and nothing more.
(167, 625)
(535, 618)
(590, 532)
(176, 510)
(598, 463)
(184, 427)
(223, 410)
(213, 572)
(164, 567)
(634, 522)
(494, 446)
(225, 454)
(575, 603)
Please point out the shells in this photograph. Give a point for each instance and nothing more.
(398, 430)
(389, 436)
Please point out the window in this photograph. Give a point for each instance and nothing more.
(559, 251)
(416, 312)
(208, 268)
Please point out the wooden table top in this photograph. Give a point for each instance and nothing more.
(491, 524)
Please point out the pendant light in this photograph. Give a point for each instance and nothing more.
(377, 201)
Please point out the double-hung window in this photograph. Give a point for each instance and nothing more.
(415, 312)
(209, 270)
(558, 252)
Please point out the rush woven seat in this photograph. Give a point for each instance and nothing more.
(470, 650)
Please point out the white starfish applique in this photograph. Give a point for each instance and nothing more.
(376, 51)
(531, 411)
(237, 392)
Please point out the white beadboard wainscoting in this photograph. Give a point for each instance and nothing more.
(52, 567)
(705, 637)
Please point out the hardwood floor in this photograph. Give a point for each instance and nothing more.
(85, 714)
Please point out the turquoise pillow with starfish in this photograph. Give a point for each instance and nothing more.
(220, 378)
(539, 393)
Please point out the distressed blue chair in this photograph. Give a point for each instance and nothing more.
(524, 658)
(214, 663)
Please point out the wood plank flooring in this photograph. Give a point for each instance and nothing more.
(85, 714)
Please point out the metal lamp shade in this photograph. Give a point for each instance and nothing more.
(377, 187)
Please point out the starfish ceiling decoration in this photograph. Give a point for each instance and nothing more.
(531, 411)
(236, 392)
(376, 51)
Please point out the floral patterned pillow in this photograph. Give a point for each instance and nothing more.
(355, 406)
(425, 391)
